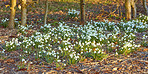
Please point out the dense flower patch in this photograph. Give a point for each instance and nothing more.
(69, 44)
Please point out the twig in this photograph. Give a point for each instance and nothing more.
(112, 12)
(1, 47)
(107, 57)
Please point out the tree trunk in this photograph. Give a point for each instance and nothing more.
(145, 7)
(12, 14)
(23, 12)
(128, 9)
(133, 8)
(82, 10)
(46, 12)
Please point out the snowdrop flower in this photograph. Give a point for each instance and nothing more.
(73, 11)
(71, 55)
(94, 51)
(26, 51)
(93, 43)
(99, 51)
(116, 53)
(108, 35)
(127, 44)
(54, 55)
(23, 60)
(49, 53)
(40, 55)
(90, 50)
(144, 37)
(64, 64)
(58, 60)
(3, 51)
(43, 51)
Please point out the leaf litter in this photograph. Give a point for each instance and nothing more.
(136, 62)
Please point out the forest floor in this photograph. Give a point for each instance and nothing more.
(136, 62)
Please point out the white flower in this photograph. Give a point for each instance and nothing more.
(94, 51)
(144, 37)
(23, 60)
(40, 55)
(43, 51)
(127, 44)
(116, 53)
(109, 35)
(71, 55)
(31, 62)
(64, 64)
(54, 55)
(58, 60)
(2, 51)
(26, 51)
(49, 53)
(99, 51)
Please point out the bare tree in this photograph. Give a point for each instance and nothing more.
(23, 12)
(82, 11)
(12, 14)
(46, 12)
(145, 7)
(128, 5)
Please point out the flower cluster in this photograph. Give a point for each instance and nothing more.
(4, 22)
(73, 13)
(143, 18)
(68, 44)
(2, 52)
(6, 19)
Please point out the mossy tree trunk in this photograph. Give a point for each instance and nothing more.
(82, 12)
(128, 5)
(11, 24)
(134, 12)
(145, 7)
(46, 12)
(128, 9)
(23, 12)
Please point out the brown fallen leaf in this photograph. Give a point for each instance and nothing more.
(9, 61)
(119, 68)
(92, 63)
(106, 71)
(23, 69)
(130, 67)
(143, 61)
(142, 49)
(78, 70)
(4, 37)
(61, 12)
(12, 36)
(52, 72)
(146, 49)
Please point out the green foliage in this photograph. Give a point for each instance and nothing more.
(64, 44)
(4, 22)
(144, 41)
